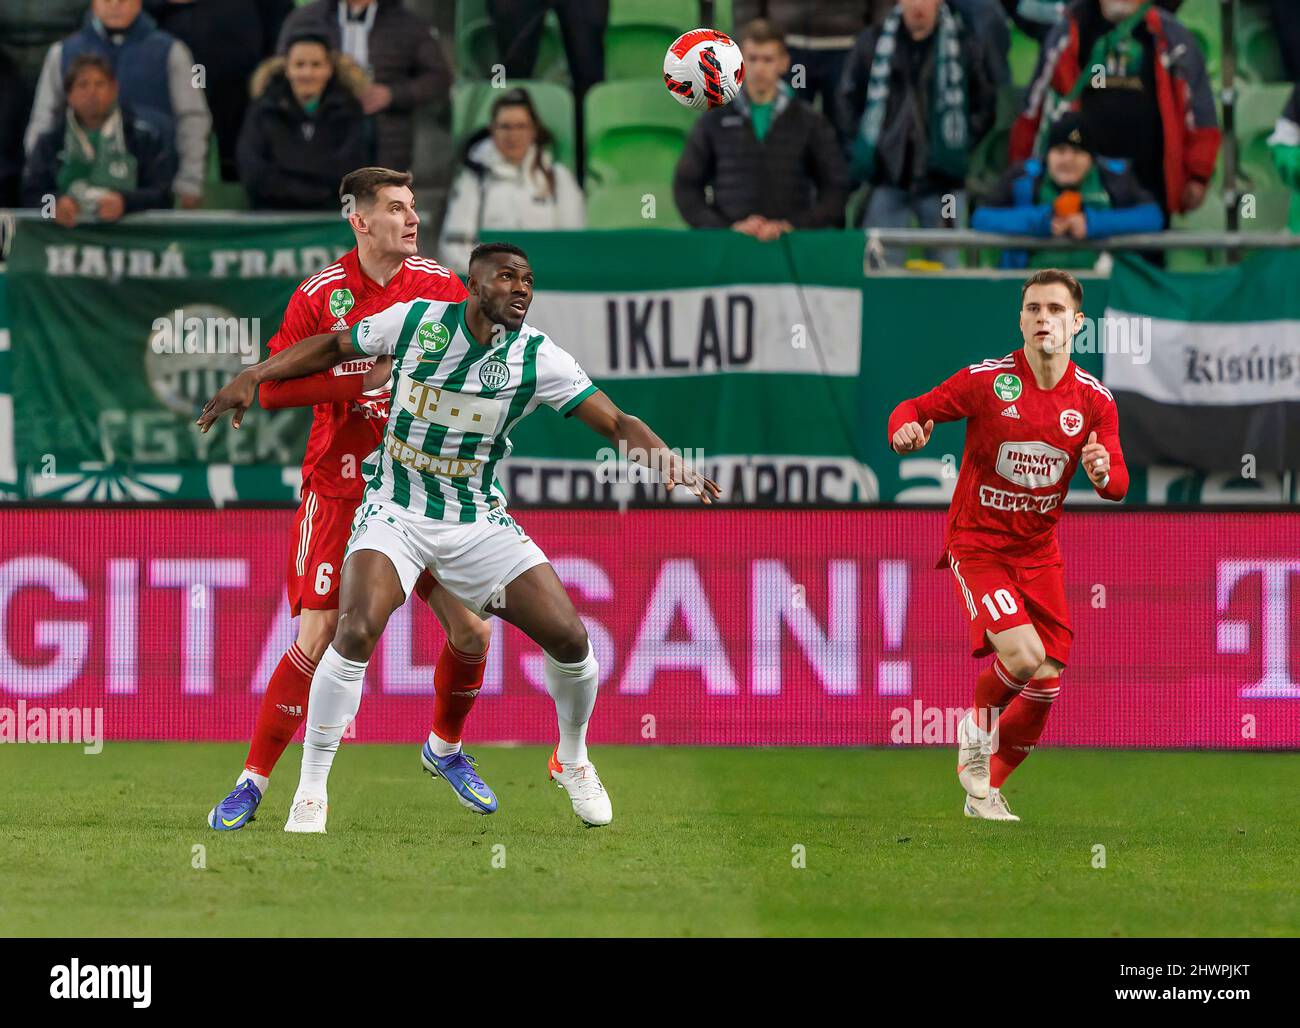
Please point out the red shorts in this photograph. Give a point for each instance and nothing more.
(320, 536)
(999, 596)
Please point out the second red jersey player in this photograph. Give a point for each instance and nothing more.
(1032, 417)
(350, 409)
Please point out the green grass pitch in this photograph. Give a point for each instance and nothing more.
(703, 843)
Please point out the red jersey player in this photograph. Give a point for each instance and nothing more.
(1031, 418)
(350, 409)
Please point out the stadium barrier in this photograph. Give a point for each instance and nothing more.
(720, 627)
(779, 362)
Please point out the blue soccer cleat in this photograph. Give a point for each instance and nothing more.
(459, 771)
(237, 809)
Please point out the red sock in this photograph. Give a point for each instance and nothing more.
(283, 708)
(994, 689)
(1021, 726)
(457, 678)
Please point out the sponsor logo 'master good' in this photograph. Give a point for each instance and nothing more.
(1032, 465)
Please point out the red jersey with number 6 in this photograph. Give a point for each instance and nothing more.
(347, 423)
(1022, 448)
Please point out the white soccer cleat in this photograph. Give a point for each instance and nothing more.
(307, 815)
(590, 800)
(972, 759)
(993, 808)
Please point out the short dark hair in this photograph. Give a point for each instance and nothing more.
(1051, 276)
(364, 183)
(491, 249)
(80, 63)
(760, 30)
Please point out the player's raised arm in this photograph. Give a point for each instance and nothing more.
(305, 358)
(1102, 458)
(600, 413)
(912, 421)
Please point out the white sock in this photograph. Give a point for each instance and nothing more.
(440, 746)
(261, 781)
(573, 688)
(982, 736)
(334, 700)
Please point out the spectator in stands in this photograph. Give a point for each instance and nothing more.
(1073, 194)
(987, 20)
(400, 52)
(1286, 21)
(518, 25)
(27, 30)
(1154, 105)
(155, 77)
(912, 141)
(229, 39)
(1036, 17)
(510, 180)
(1285, 144)
(100, 161)
(819, 37)
(12, 119)
(771, 160)
(304, 129)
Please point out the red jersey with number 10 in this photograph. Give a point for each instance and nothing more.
(346, 423)
(1022, 448)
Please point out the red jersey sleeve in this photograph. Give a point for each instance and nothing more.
(301, 321)
(948, 401)
(1107, 429)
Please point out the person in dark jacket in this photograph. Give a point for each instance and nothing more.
(100, 161)
(397, 49)
(1073, 194)
(819, 34)
(918, 99)
(229, 39)
(771, 160)
(155, 76)
(304, 129)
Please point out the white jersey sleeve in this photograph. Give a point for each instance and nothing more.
(561, 382)
(380, 333)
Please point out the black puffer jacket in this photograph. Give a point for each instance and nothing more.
(292, 160)
(795, 174)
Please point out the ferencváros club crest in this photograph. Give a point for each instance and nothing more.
(494, 373)
(433, 336)
(341, 301)
(1006, 387)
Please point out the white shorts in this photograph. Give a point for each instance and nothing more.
(474, 560)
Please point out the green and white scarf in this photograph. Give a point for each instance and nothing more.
(949, 126)
(95, 162)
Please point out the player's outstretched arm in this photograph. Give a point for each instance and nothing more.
(912, 421)
(600, 414)
(305, 358)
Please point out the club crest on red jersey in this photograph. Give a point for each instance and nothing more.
(1071, 422)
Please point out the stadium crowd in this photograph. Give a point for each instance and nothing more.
(869, 113)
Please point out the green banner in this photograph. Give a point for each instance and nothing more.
(776, 364)
(119, 334)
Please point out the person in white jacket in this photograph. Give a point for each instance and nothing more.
(510, 180)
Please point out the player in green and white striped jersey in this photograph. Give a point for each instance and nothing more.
(466, 375)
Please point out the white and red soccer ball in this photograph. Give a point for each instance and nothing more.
(703, 69)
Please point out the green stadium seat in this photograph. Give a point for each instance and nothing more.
(640, 32)
(1259, 58)
(471, 107)
(1023, 57)
(219, 195)
(635, 131)
(1201, 17)
(622, 205)
(1256, 112)
(476, 44)
(724, 17)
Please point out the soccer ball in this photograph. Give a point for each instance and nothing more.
(703, 69)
